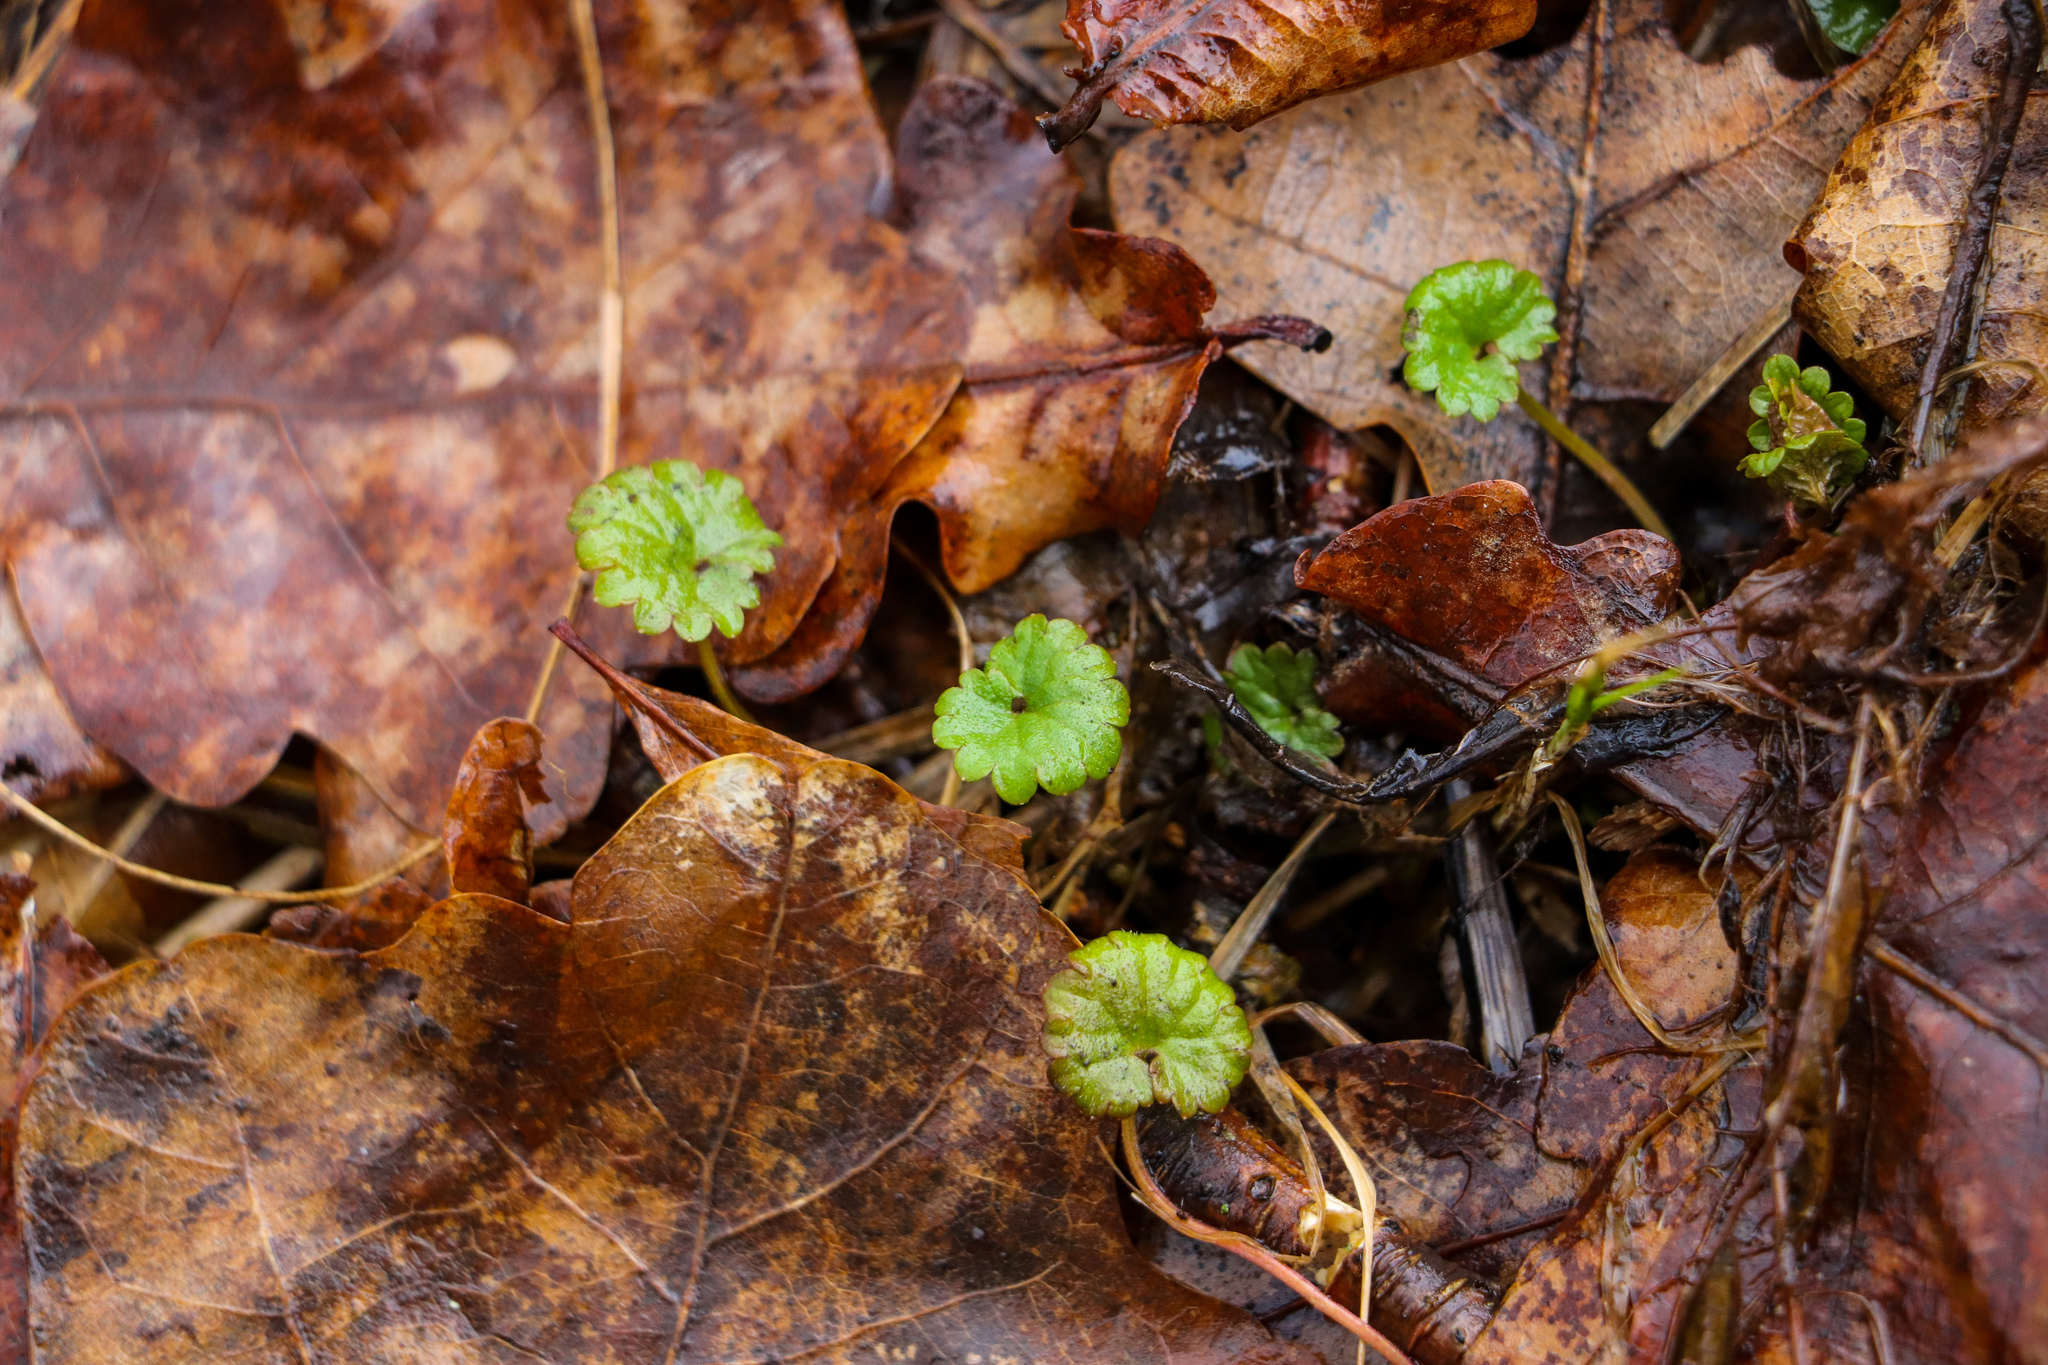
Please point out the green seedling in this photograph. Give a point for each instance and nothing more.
(1045, 712)
(1806, 441)
(1278, 687)
(1467, 326)
(1138, 1021)
(681, 547)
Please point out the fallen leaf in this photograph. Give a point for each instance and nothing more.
(300, 367)
(43, 967)
(1086, 351)
(1660, 238)
(43, 753)
(1879, 243)
(1237, 63)
(775, 1092)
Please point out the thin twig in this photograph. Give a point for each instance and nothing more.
(1154, 1198)
(951, 791)
(1702, 390)
(1599, 465)
(1014, 59)
(2022, 56)
(1251, 921)
(1898, 963)
(149, 874)
(630, 690)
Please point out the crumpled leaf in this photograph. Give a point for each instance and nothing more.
(774, 1092)
(1046, 711)
(1278, 687)
(1237, 63)
(1137, 1020)
(1454, 314)
(1695, 178)
(299, 375)
(1085, 356)
(1879, 241)
(678, 545)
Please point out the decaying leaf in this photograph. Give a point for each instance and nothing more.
(43, 753)
(1228, 61)
(1878, 246)
(1660, 238)
(1084, 358)
(775, 1092)
(300, 365)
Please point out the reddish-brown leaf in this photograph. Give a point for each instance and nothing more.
(775, 1092)
(299, 368)
(1235, 62)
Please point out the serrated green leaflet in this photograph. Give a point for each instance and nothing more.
(1278, 687)
(1805, 441)
(1045, 712)
(1455, 314)
(1138, 1021)
(680, 545)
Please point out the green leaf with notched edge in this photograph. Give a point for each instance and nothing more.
(682, 546)
(1805, 441)
(1278, 686)
(1138, 1021)
(1455, 314)
(1044, 713)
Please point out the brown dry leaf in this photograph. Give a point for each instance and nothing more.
(43, 753)
(1660, 238)
(1234, 62)
(1084, 358)
(43, 967)
(775, 1092)
(300, 367)
(1879, 244)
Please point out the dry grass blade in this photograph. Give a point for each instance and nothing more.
(1362, 1186)
(1251, 923)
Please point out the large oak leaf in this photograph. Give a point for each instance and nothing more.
(1651, 193)
(774, 1093)
(300, 363)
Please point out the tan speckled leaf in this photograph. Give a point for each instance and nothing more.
(1336, 209)
(774, 1093)
(1880, 241)
(299, 367)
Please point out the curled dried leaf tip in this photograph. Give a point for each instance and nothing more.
(1137, 1021)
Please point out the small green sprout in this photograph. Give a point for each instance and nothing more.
(1045, 712)
(1138, 1021)
(681, 547)
(1806, 442)
(1467, 325)
(1278, 687)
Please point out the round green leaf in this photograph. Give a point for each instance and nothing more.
(1455, 314)
(1045, 712)
(1138, 1021)
(1278, 687)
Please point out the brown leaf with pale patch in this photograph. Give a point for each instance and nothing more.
(1660, 238)
(1234, 62)
(774, 1092)
(1879, 244)
(299, 371)
(1084, 358)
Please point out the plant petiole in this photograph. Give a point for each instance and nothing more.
(714, 677)
(1603, 469)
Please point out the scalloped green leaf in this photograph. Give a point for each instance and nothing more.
(1139, 1021)
(1278, 686)
(1808, 445)
(1045, 712)
(1455, 314)
(680, 545)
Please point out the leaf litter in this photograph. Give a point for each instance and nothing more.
(692, 1040)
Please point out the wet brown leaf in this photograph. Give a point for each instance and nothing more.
(1238, 63)
(300, 364)
(1652, 194)
(43, 967)
(774, 1092)
(1084, 358)
(1879, 243)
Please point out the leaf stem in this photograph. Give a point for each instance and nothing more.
(1603, 468)
(714, 676)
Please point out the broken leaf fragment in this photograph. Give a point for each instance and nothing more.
(1805, 441)
(1044, 713)
(1278, 687)
(679, 545)
(1467, 324)
(1139, 1021)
